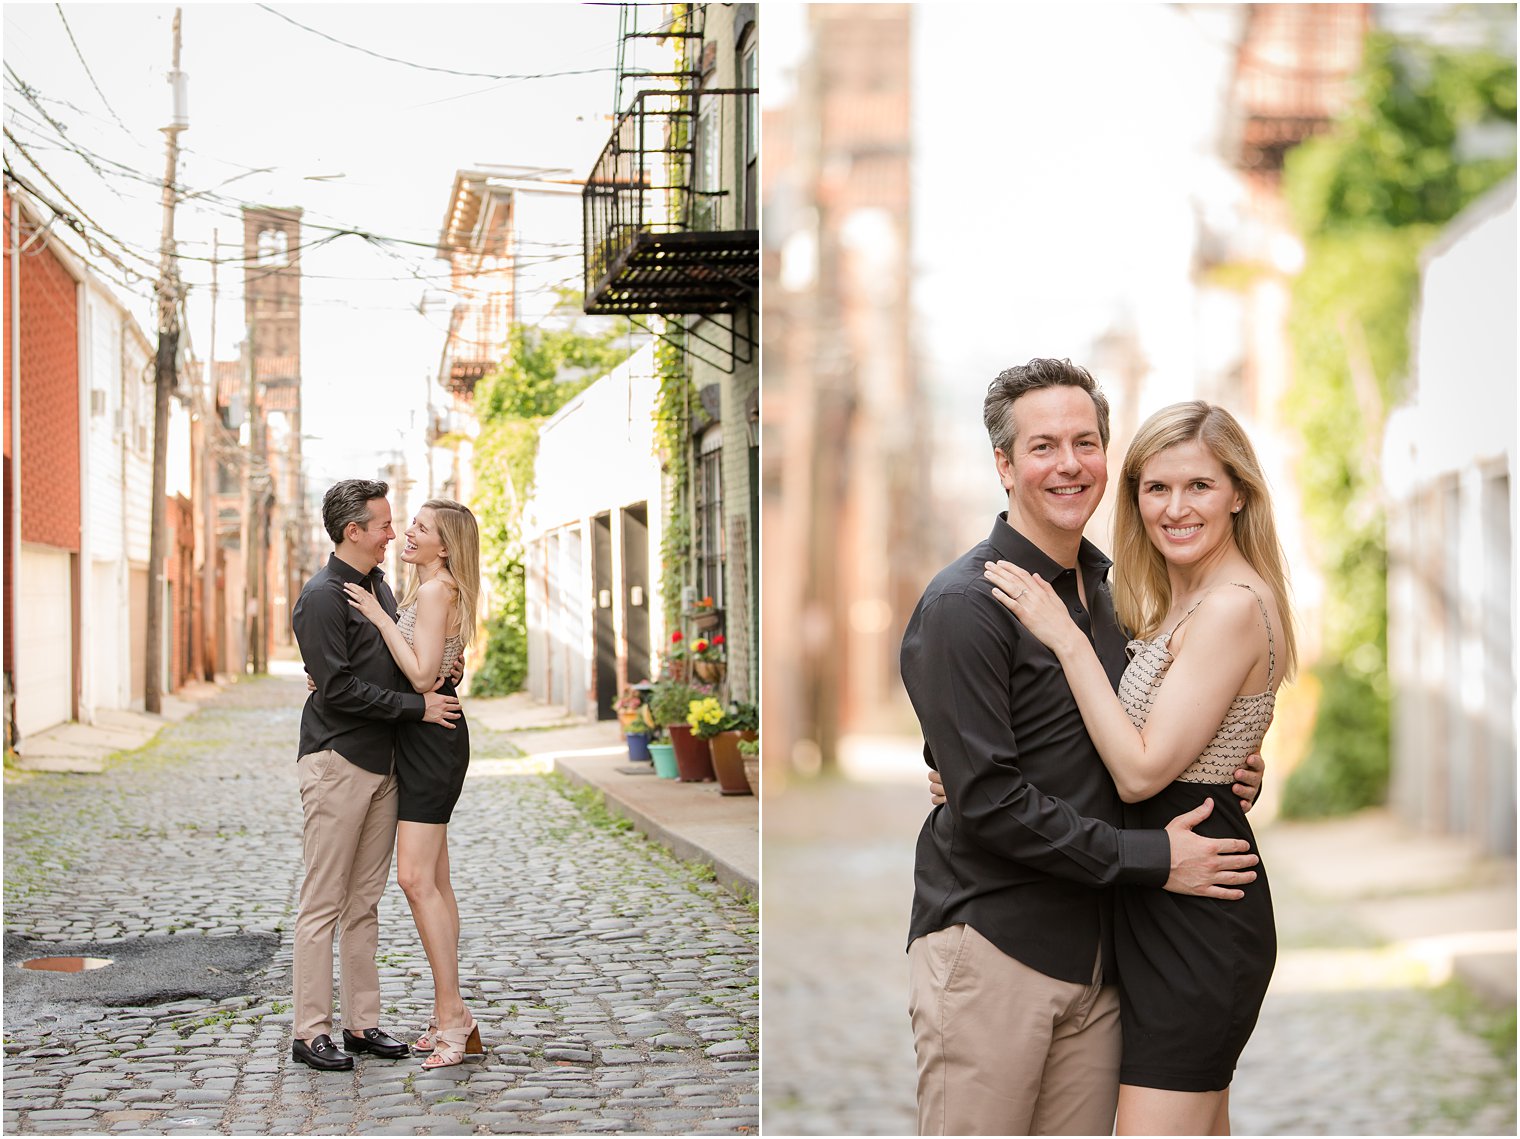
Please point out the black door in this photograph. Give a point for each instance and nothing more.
(601, 619)
(636, 592)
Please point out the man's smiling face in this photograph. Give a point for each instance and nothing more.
(1057, 473)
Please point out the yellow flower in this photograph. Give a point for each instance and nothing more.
(703, 712)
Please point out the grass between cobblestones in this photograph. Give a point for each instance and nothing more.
(592, 805)
(210, 789)
(1497, 1026)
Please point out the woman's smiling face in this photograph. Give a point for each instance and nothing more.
(1188, 502)
(423, 546)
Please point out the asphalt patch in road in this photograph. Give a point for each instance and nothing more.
(144, 971)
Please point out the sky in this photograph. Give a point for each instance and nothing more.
(283, 115)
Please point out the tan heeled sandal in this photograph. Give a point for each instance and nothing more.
(454, 1045)
(429, 1039)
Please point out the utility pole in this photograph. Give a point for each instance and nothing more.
(164, 376)
(254, 498)
(211, 628)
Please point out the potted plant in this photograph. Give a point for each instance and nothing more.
(675, 656)
(740, 722)
(670, 704)
(637, 727)
(707, 658)
(663, 753)
(749, 750)
(704, 614)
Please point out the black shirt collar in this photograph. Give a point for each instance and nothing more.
(1019, 550)
(346, 572)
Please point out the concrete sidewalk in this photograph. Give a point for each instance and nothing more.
(83, 748)
(692, 820)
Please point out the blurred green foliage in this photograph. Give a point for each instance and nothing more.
(544, 368)
(1367, 197)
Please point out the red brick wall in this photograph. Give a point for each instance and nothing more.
(10, 614)
(49, 398)
(179, 569)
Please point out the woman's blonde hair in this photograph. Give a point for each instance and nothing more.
(1142, 590)
(456, 529)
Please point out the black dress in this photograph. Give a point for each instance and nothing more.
(1193, 971)
(431, 760)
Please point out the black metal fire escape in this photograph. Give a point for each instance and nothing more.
(663, 233)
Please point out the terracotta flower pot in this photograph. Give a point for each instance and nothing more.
(664, 760)
(728, 763)
(752, 773)
(693, 756)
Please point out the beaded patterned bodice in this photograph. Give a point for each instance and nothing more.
(1244, 724)
(406, 621)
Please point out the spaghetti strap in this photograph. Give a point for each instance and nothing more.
(1271, 642)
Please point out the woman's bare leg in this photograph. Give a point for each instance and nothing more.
(421, 855)
(1222, 1116)
(1152, 1111)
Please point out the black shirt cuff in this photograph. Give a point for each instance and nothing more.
(1145, 857)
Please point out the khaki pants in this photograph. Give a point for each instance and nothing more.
(346, 843)
(1005, 1050)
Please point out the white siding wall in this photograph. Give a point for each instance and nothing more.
(1449, 465)
(103, 362)
(137, 400)
(595, 456)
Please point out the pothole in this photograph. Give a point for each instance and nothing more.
(143, 971)
(66, 964)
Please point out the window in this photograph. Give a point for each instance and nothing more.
(749, 76)
(710, 552)
(707, 183)
(274, 247)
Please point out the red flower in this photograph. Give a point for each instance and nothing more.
(676, 636)
(699, 645)
(718, 640)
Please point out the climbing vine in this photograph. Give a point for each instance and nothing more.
(1367, 197)
(542, 370)
(672, 435)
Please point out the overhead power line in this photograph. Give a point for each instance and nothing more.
(429, 67)
(87, 70)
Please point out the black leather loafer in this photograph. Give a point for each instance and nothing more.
(374, 1040)
(321, 1054)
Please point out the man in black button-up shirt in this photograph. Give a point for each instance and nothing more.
(348, 788)
(1015, 1017)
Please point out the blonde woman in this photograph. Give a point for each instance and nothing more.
(1200, 579)
(432, 626)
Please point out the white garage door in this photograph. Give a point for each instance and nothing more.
(44, 639)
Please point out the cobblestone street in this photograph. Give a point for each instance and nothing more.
(616, 989)
(1351, 1041)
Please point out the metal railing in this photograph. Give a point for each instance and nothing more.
(674, 164)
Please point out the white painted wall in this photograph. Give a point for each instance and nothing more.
(1449, 470)
(595, 455)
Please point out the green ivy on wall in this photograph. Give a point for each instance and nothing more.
(1367, 198)
(672, 440)
(541, 372)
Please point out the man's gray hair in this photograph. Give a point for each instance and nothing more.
(348, 501)
(997, 409)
